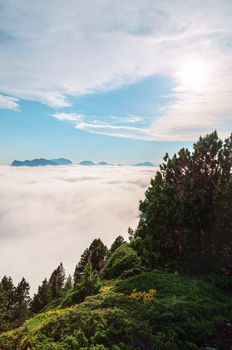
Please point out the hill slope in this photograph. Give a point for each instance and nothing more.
(187, 313)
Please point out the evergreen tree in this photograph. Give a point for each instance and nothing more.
(131, 234)
(88, 285)
(42, 298)
(117, 243)
(6, 303)
(56, 281)
(79, 269)
(186, 215)
(98, 252)
(68, 282)
(21, 301)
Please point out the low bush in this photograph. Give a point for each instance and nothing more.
(186, 314)
(122, 261)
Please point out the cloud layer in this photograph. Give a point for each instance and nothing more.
(53, 50)
(52, 214)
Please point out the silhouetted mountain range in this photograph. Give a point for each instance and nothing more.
(41, 162)
(89, 163)
(144, 164)
(63, 161)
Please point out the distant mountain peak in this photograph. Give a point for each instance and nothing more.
(41, 162)
(103, 163)
(87, 162)
(62, 161)
(144, 164)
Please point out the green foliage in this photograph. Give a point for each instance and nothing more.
(186, 215)
(123, 259)
(88, 285)
(42, 298)
(188, 313)
(21, 301)
(96, 254)
(14, 303)
(116, 244)
(68, 283)
(56, 281)
(79, 269)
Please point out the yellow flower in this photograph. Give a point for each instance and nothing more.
(143, 296)
(106, 288)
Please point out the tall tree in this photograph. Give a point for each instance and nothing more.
(79, 269)
(56, 281)
(186, 215)
(117, 243)
(98, 252)
(88, 285)
(7, 290)
(68, 282)
(21, 301)
(42, 298)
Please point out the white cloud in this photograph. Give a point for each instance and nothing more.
(8, 102)
(115, 130)
(51, 214)
(54, 50)
(72, 117)
(128, 119)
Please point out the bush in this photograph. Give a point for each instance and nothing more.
(187, 314)
(123, 259)
(88, 285)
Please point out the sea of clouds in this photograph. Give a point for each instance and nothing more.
(51, 214)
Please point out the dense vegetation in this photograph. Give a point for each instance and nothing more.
(186, 216)
(168, 288)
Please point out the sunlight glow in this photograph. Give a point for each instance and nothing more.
(193, 75)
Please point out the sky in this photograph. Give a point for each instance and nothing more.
(120, 81)
(50, 215)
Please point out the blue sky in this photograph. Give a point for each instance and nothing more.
(123, 81)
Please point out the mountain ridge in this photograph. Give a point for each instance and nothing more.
(41, 162)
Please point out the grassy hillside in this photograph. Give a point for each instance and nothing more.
(186, 313)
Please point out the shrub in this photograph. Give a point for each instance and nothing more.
(122, 259)
(88, 285)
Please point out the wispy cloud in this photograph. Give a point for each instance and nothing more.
(35, 237)
(8, 102)
(128, 119)
(56, 50)
(115, 130)
(72, 117)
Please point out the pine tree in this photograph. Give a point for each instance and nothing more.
(88, 285)
(42, 298)
(68, 283)
(56, 281)
(79, 269)
(21, 301)
(98, 252)
(6, 303)
(117, 243)
(186, 215)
